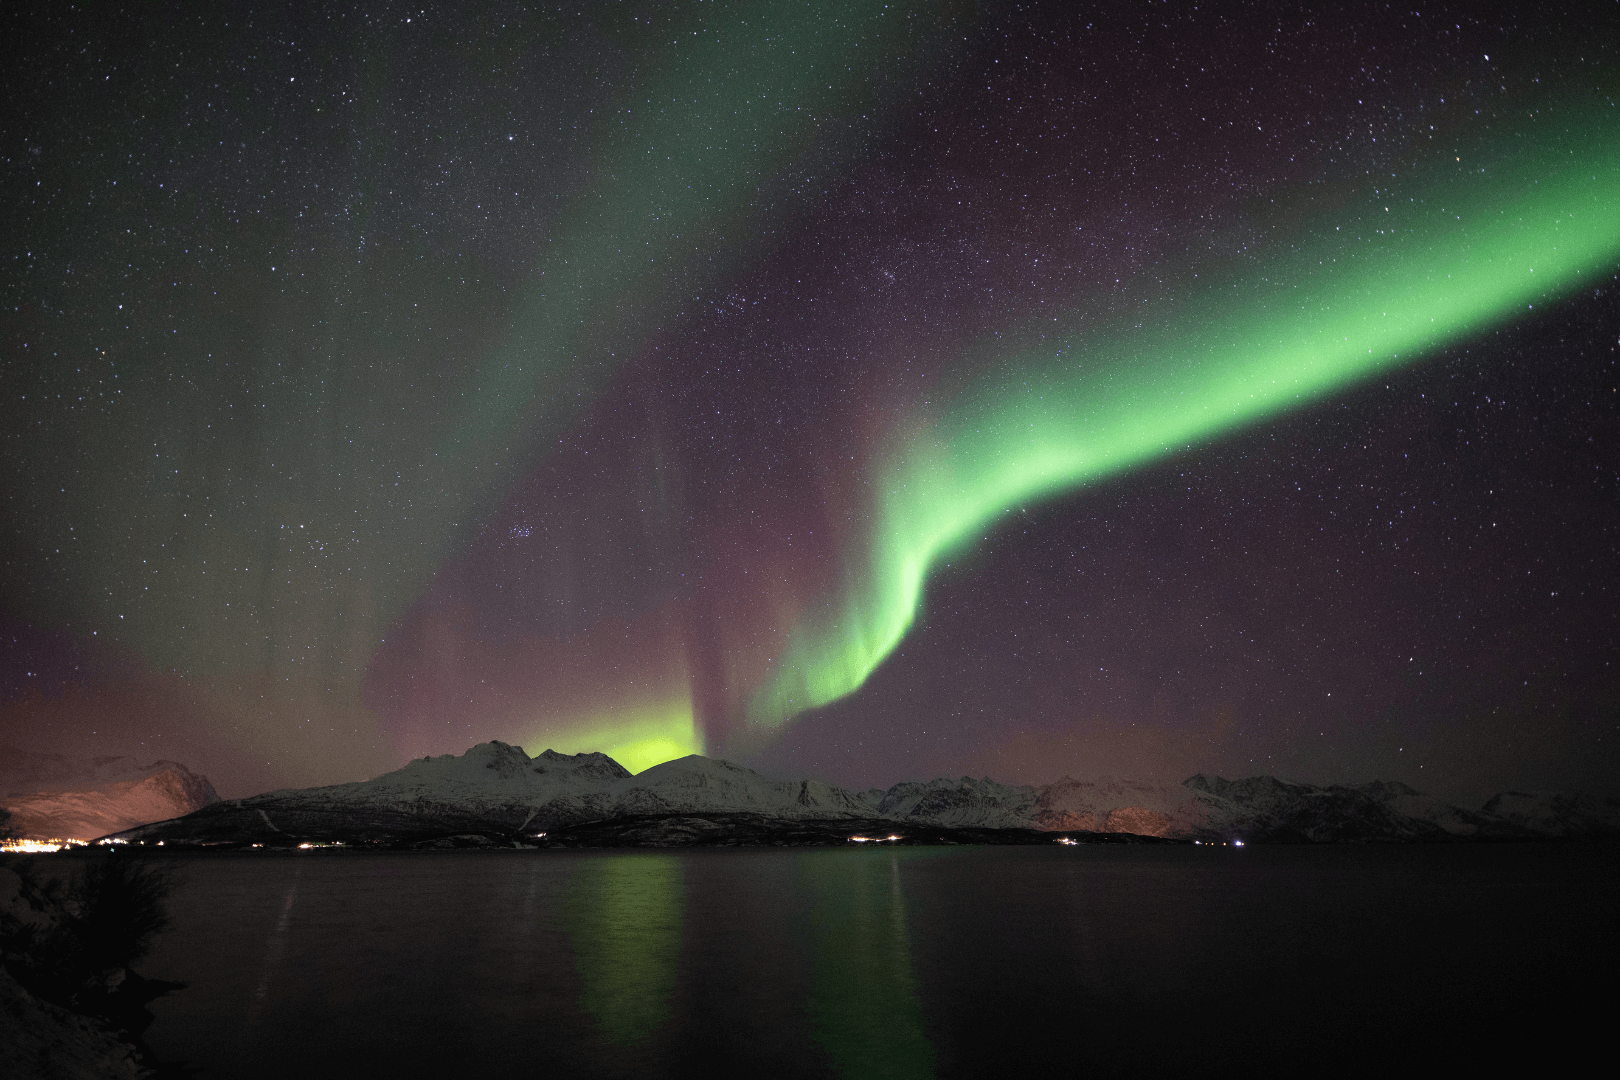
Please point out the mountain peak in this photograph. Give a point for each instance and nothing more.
(498, 761)
(592, 764)
(91, 798)
(717, 768)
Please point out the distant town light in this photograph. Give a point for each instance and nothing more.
(34, 847)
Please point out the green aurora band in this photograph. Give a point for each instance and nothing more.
(1444, 257)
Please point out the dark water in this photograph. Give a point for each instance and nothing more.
(904, 962)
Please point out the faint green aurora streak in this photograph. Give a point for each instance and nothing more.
(686, 175)
(1451, 256)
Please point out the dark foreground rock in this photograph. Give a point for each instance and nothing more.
(70, 1006)
(40, 1039)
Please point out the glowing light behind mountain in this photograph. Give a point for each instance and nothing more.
(638, 733)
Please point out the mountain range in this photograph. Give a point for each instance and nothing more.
(496, 793)
(56, 796)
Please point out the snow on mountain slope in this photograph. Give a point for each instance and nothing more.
(492, 771)
(1205, 807)
(495, 788)
(492, 787)
(495, 774)
(26, 772)
(105, 795)
(1110, 805)
(1553, 814)
(695, 783)
(962, 803)
(1264, 806)
(1456, 821)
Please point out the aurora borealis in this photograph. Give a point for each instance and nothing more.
(1105, 402)
(864, 391)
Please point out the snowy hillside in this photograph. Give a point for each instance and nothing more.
(498, 790)
(51, 796)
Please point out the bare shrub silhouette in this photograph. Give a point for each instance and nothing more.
(85, 927)
(118, 907)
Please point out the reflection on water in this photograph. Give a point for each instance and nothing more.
(865, 998)
(624, 920)
(960, 962)
(275, 948)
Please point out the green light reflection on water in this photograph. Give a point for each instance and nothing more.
(864, 1003)
(624, 919)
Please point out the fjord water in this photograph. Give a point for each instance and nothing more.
(893, 962)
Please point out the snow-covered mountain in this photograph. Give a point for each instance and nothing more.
(1202, 807)
(965, 802)
(25, 772)
(695, 783)
(1557, 815)
(54, 796)
(497, 789)
(1264, 807)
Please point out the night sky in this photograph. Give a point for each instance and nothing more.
(861, 391)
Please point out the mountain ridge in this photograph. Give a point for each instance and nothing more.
(52, 796)
(497, 790)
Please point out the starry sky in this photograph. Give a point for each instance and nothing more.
(853, 390)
